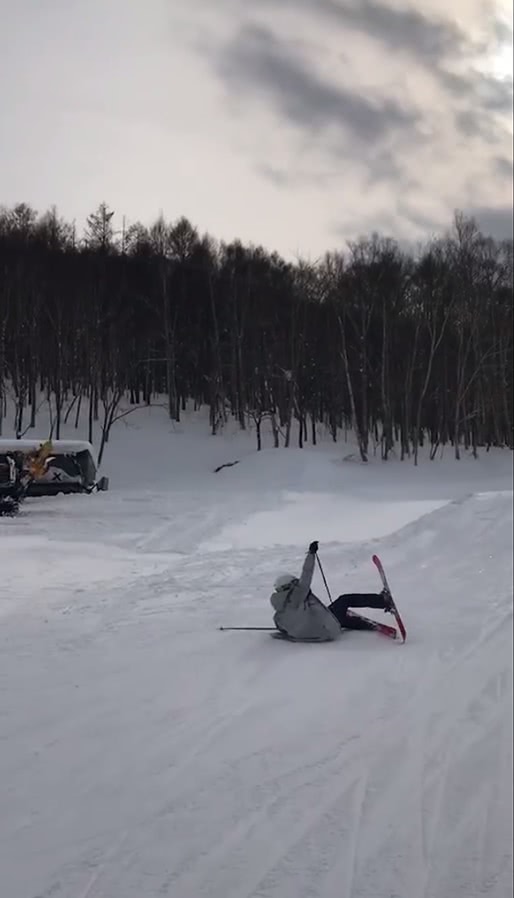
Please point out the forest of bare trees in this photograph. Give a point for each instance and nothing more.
(403, 349)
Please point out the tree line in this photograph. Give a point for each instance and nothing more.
(402, 348)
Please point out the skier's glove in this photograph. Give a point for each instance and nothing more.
(314, 546)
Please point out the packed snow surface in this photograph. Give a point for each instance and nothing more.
(145, 753)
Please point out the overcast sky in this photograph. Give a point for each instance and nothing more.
(297, 124)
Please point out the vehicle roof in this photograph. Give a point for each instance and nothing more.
(58, 446)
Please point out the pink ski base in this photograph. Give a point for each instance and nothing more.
(401, 626)
(382, 629)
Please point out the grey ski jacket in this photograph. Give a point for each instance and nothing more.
(300, 613)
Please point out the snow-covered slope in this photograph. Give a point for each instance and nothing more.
(144, 753)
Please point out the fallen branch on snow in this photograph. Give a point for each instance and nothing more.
(228, 464)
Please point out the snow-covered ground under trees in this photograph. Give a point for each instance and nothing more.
(145, 753)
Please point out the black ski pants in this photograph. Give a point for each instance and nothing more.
(340, 606)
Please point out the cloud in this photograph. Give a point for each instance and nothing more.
(377, 115)
(433, 38)
(438, 43)
(495, 222)
(279, 177)
(504, 168)
(430, 39)
(476, 123)
(256, 61)
(417, 217)
(480, 89)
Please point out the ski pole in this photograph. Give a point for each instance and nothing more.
(267, 629)
(324, 578)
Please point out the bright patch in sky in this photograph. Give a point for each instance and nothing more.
(501, 63)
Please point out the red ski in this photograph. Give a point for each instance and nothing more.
(378, 564)
(383, 629)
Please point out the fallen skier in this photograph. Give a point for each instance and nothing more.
(299, 614)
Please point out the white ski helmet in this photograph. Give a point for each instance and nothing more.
(285, 581)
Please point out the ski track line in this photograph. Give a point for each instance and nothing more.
(416, 700)
(382, 810)
(456, 715)
(456, 877)
(239, 834)
(279, 814)
(413, 879)
(490, 854)
(212, 514)
(470, 808)
(462, 836)
(450, 740)
(219, 726)
(498, 788)
(237, 700)
(384, 836)
(278, 857)
(434, 786)
(326, 845)
(371, 739)
(281, 790)
(194, 526)
(339, 880)
(109, 856)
